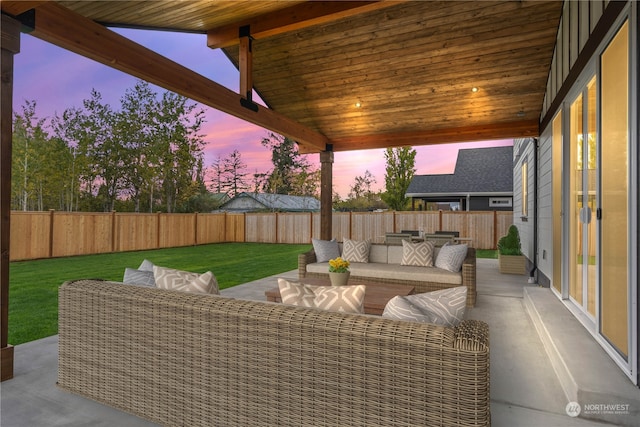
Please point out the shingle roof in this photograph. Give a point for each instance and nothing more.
(478, 170)
(269, 201)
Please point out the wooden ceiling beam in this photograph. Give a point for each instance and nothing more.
(64, 28)
(519, 129)
(292, 18)
(16, 8)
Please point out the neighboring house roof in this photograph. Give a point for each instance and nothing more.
(479, 171)
(219, 197)
(246, 202)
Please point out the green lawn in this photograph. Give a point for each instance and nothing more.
(33, 285)
(487, 253)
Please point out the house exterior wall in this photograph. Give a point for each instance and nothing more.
(545, 209)
(584, 31)
(524, 205)
(481, 203)
(578, 22)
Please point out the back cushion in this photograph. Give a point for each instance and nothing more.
(394, 254)
(378, 253)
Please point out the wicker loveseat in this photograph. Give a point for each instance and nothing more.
(205, 360)
(384, 267)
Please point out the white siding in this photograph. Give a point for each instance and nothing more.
(523, 151)
(545, 208)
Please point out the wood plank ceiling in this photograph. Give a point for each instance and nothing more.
(411, 64)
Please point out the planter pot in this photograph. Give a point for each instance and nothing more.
(339, 279)
(512, 264)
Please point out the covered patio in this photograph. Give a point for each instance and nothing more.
(339, 76)
(527, 385)
(335, 76)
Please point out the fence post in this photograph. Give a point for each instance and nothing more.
(495, 229)
(195, 229)
(395, 226)
(158, 231)
(113, 231)
(440, 219)
(51, 212)
(311, 225)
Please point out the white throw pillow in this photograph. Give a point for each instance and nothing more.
(168, 278)
(345, 299)
(325, 249)
(451, 257)
(445, 307)
(419, 254)
(356, 250)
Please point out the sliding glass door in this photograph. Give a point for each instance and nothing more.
(615, 289)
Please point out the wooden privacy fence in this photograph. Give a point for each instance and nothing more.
(56, 234)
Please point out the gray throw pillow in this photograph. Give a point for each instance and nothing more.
(451, 257)
(146, 266)
(138, 277)
(325, 249)
(445, 307)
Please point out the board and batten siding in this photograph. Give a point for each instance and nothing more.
(577, 23)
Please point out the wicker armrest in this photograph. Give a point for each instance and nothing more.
(469, 276)
(472, 335)
(304, 259)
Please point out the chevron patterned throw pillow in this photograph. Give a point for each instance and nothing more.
(356, 250)
(419, 254)
(345, 299)
(445, 307)
(177, 280)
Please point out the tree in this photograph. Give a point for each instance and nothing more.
(135, 126)
(362, 186)
(178, 147)
(234, 175)
(400, 170)
(29, 171)
(292, 174)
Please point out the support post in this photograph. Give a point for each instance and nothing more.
(246, 64)
(10, 45)
(326, 194)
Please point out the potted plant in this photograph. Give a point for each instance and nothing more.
(510, 257)
(339, 271)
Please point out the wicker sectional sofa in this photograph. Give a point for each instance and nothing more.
(183, 359)
(384, 267)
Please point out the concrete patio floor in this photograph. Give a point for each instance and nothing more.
(541, 359)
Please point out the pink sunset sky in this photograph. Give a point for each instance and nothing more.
(57, 79)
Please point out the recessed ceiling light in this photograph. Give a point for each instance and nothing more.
(474, 89)
(520, 113)
(358, 104)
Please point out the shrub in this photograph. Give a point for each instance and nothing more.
(510, 244)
